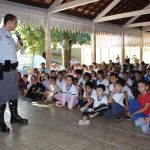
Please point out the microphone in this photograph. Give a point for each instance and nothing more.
(19, 37)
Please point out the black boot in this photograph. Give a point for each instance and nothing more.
(13, 106)
(3, 126)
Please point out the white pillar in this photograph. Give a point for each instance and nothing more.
(48, 43)
(141, 47)
(94, 44)
(122, 48)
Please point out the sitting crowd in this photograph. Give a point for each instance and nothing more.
(109, 90)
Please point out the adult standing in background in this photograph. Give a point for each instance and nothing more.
(9, 89)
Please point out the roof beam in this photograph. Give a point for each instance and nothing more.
(107, 9)
(124, 15)
(138, 24)
(54, 4)
(136, 17)
(70, 5)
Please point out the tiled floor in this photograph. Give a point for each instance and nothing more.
(52, 128)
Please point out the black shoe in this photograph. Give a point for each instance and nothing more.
(15, 118)
(18, 119)
(4, 128)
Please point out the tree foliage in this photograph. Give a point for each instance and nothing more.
(67, 38)
(33, 37)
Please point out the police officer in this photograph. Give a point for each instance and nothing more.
(9, 89)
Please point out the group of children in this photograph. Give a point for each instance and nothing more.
(106, 89)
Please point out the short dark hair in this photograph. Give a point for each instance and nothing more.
(89, 83)
(114, 75)
(100, 72)
(47, 75)
(42, 63)
(121, 82)
(79, 71)
(60, 72)
(144, 82)
(9, 17)
(87, 75)
(101, 86)
(70, 76)
(25, 75)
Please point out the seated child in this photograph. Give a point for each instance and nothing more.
(68, 94)
(100, 105)
(116, 101)
(141, 107)
(53, 89)
(86, 101)
(144, 123)
(37, 89)
(26, 83)
(101, 80)
(46, 81)
(60, 80)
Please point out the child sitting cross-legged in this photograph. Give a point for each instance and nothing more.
(116, 101)
(141, 107)
(53, 90)
(100, 105)
(68, 94)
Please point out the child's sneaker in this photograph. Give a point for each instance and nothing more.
(84, 122)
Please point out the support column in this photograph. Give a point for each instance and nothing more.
(122, 49)
(48, 43)
(94, 44)
(141, 47)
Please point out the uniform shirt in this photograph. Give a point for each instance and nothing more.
(92, 95)
(98, 102)
(129, 81)
(143, 100)
(7, 47)
(118, 97)
(106, 83)
(46, 84)
(69, 90)
(126, 88)
(60, 83)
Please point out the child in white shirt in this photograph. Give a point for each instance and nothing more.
(68, 94)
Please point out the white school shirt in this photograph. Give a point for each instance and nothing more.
(7, 47)
(97, 102)
(118, 97)
(129, 81)
(106, 83)
(92, 95)
(81, 80)
(72, 90)
(126, 88)
(60, 83)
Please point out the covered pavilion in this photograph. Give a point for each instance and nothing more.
(121, 23)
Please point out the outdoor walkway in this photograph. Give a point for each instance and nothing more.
(52, 128)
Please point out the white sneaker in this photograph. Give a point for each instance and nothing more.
(84, 122)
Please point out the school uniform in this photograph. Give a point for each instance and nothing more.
(126, 88)
(82, 103)
(60, 83)
(117, 106)
(129, 82)
(106, 83)
(69, 95)
(46, 84)
(100, 105)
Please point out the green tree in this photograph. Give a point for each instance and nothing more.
(34, 38)
(67, 39)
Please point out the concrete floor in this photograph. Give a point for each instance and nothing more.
(52, 128)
